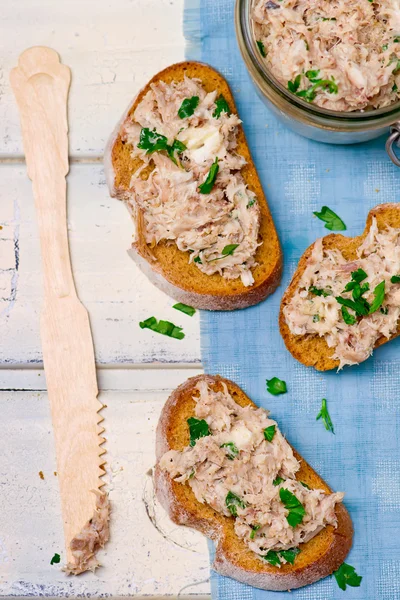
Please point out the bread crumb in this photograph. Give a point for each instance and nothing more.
(41, 475)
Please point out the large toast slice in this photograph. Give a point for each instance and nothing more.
(318, 558)
(171, 271)
(312, 350)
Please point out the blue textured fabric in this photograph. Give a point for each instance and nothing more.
(362, 459)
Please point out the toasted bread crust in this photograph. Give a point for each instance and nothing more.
(171, 271)
(319, 557)
(312, 350)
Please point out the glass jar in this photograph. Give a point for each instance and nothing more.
(307, 119)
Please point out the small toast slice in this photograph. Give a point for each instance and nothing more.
(312, 350)
(171, 271)
(318, 558)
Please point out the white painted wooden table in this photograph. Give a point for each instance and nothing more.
(112, 47)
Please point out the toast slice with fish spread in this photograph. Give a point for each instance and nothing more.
(224, 468)
(344, 298)
(180, 161)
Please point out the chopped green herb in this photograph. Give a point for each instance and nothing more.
(319, 292)
(277, 481)
(312, 75)
(198, 428)
(197, 260)
(333, 222)
(293, 505)
(294, 85)
(151, 141)
(316, 318)
(232, 450)
(307, 46)
(394, 88)
(310, 94)
(289, 555)
(395, 279)
(269, 433)
(396, 40)
(346, 575)
(163, 327)
(208, 184)
(176, 148)
(305, 485)
(347, 317)
(233, 502)
(379, 293)
(360, 307)
(384, 310)
(254, 529)
(221, 106)
(188, 310)
(273, 558)
(227, 251)
(385, 47)
(329, 18)
(261, 48)
(397, 68)
(192, 474)
(359, 275)
(56, 559)
(188, 107)
(251, 202)
(276, 386)
(325, 416)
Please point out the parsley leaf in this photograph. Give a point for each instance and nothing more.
(395, 279)
(312, 75)
(305, 485)
(277, 481)
(197, 260)
(221, 106)
(293, 505)
(346, 575)
(319, 292)
(294, 85)
(276, 386)
(151, 141)
(359, 275)
(56, 559)
(188, 310)
(328, 84)
(325, 416)
(176, 147)
(198, 428)
(232, 450)
(269, 433)
(289, 555)
(273, 558)
(254, 529)
(347, 317)
(333, 222)
(261, 48)
(360, 307)
(226, 251)
(379, 293)
(208, 184)
(233, 502)
(163, 327)
(188, 107)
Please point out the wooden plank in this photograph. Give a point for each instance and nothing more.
(112, 48)
(147, 554)
(117, 295)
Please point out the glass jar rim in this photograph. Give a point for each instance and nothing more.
(244, 30)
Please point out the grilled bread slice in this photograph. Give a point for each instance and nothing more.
(166, 266)
(318, 558)
(312, 350)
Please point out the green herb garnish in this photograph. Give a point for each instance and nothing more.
(309, 95)
(56, 559)
(188, 107)
(151, 141)
(293, 505)
(254, 529)
(251, 202)
(276, 386)
(208, 184)
(360, 307)
(221, 106)
(269, 433)
(197, 260)
(312, 75)
(359, 275)
(294, 85)
(333, 222)
(232, 450)
(346, 575)
(305, 485)
(188, 310)
(395, 279)
(379, 293)
(261, 48)
(277, 481)
(289, 555)
(233, 502)
(325, 416)
(316, 318)
(198, 428)
(319, 291)
(273, 558)
(227, 251)
(347, 317)
(163, 327)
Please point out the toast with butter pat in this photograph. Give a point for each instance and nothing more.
(224, 468)
(180, 161)
(344, 298)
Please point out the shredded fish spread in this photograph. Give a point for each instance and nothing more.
(195, 195)
(314, 308)
(342, 55)
(244, 468)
